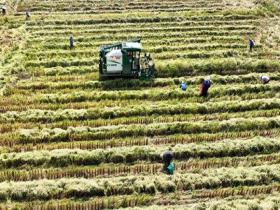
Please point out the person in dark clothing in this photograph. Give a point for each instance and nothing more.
(251, 44)
(167, 158)
(4, 10)
(27, 14)
(71, 42)
(204, 87)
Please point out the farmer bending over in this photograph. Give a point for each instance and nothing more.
(184, 86)
(265, 79)
(27, 14)
(204, 87)
(168, 165)
(4, 10)
(251, 44)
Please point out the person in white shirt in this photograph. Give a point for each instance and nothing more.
(265, 79)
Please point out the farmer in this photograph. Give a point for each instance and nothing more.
(251, 44)
(4, 10)
(265, 79)
(168, 165)
(204, 87)
(184, 86)
(71, 42)
(27, 14)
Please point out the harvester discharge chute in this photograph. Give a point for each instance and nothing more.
(124, 60)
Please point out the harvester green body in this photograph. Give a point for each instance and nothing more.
(124, 60)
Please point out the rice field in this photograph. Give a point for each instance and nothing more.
(71, 141)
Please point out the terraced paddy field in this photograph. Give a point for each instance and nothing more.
(70, 141)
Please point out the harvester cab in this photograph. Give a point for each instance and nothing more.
(123, 60)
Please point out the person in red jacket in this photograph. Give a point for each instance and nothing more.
(204, 87)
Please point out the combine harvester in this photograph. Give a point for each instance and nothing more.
(123, 60)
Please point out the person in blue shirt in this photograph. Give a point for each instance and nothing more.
(184, 86)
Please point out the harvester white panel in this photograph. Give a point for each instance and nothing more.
(132, 45)
(114, 61)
